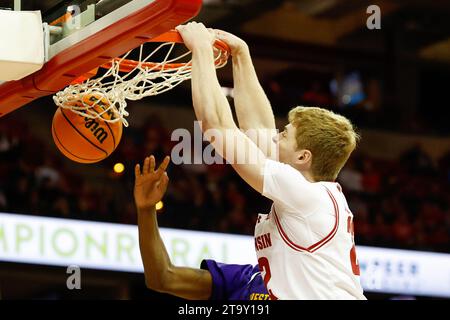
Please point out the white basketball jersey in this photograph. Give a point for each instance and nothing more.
(305, 244)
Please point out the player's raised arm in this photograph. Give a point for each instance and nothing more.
(213, 110)
(160, 274)
(253, 109)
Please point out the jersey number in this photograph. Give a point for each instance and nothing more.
(353, 259)
(264, 266)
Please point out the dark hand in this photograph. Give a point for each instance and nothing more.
(150, 184)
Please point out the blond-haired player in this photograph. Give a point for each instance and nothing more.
(305, 244)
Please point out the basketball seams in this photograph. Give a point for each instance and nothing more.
(55, 134)
(110, 130)
(80, 133)
(112, 134)
(70, 125)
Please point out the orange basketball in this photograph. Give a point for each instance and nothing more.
(83, 139)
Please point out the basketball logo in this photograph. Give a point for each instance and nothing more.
(83, 139)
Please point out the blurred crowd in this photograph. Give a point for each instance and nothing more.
(401, 204)
(359, 96)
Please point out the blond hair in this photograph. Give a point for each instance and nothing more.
(330, 137)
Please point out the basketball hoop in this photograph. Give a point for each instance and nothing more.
(126, 79)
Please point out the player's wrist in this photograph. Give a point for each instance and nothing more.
(146, 208)
(242, 59)
(241, 51)
(203, 55)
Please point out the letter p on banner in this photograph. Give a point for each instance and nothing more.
(74, 280)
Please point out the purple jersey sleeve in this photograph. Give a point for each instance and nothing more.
(235, 282)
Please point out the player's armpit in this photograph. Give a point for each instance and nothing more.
(187, 283)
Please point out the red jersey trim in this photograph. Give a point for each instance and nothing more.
(318, 244)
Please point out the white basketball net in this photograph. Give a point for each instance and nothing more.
(116, 86)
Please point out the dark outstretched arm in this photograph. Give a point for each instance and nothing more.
(160, 274)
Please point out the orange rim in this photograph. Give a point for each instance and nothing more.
(127, 65)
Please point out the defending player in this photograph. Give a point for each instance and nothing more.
(305, 244)
(217, 281)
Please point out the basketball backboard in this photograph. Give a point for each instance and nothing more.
(84, 34)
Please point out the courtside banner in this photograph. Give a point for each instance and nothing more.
(108, 246)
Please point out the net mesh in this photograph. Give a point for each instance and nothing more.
(131, 80)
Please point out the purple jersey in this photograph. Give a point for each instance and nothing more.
(235, 282)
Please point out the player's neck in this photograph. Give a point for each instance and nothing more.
(308, 175)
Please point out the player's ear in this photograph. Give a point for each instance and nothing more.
(304, 156)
